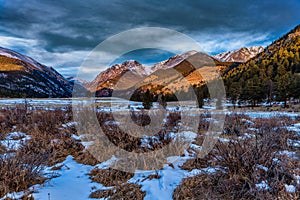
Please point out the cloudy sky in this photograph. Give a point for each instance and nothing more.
(62, 33)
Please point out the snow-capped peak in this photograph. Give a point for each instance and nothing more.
(241, 55)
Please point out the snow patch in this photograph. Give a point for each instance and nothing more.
(263, 185)
(293, 143)
(262, 167)
(73, 183)
(290, 188)
(14, 140)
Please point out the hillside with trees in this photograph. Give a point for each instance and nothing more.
(273, 75)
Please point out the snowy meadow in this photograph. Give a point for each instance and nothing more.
(44, 155)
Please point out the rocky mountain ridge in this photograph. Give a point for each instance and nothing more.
(241, 55)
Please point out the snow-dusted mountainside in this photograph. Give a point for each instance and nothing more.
(110, 76)
(77, 80)
(107, 79)
(241, 55)
(22, 76)
(78, 86)
(104, 83)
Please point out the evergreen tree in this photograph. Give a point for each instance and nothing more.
(234, 92)
(147, 100)
(283, 87)
(200, 95)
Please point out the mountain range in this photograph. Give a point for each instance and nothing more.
(163, 76)
(22, 76)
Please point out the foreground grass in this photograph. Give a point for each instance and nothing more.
(253, 157)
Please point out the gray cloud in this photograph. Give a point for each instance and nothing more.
(70, 27)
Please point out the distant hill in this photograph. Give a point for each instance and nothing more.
(22, 76)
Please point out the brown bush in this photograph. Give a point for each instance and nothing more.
(110, 177)
(130, 142)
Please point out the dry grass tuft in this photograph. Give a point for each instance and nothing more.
(86, 158)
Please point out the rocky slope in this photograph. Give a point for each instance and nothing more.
(22, 76)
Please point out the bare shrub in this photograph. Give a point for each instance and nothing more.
(110, 177)
(128, 141)
(245, 164)
(19, 172)
(235, 125)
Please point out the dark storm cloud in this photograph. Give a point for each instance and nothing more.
(56, 40)
(83, 24)
(67, 26)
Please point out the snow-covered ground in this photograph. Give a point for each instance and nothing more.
(163, 187)
(72, 183)
(119, 105)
